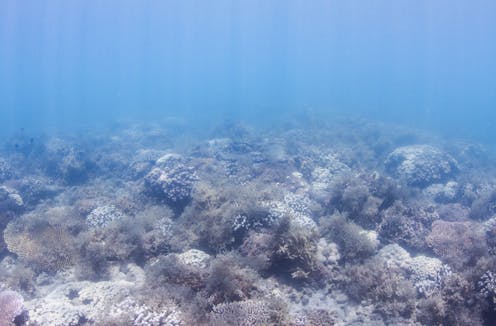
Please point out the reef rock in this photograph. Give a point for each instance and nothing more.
(421, 165)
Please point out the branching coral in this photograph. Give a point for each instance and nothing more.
(103, 216)
(487, 286)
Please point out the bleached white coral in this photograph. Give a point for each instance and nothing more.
(194, 258)
(296, 207)
(243, 313)
(323, 176)
(102, 216)
(73, 303)
(426, 273)
(171, 179)
(421, 165)
(327, 252)
(395, 256)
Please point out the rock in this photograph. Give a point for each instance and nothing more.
(421, 165)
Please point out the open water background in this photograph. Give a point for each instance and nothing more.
(66, 65)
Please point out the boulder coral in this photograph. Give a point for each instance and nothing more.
(421, 165)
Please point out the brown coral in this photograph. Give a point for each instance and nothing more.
(47, 247)
(458, 243)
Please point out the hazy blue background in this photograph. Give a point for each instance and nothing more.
(424, 63)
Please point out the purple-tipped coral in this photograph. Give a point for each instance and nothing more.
(11, 306)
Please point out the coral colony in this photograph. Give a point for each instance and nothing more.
(345, 223)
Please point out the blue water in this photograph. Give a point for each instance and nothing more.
(428, 64)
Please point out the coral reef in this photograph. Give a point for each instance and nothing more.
(334, 223)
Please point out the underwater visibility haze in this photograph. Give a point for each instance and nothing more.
(245, 163)
(423, 63)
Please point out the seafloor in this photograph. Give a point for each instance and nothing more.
(309, 223)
